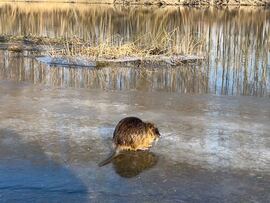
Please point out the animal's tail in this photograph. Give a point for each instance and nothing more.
(109, 159)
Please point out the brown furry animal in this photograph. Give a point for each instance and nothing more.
(132, 133)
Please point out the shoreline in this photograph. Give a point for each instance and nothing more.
(53, 52)
(175, 3)
(157, 61)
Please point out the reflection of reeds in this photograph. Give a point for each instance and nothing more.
(237, 40)
(185, 79)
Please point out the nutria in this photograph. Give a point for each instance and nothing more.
(132, 133)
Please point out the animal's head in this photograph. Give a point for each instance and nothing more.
(153, 130)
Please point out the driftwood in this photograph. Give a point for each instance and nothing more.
(151, 61)
(66, 61)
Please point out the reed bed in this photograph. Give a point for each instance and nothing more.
(163, 2)
(112, 48)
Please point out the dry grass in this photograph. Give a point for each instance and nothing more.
(158, 2)
(147, 45)
(163, 43)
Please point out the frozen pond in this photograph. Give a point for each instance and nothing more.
(56, 123)
(213, 148)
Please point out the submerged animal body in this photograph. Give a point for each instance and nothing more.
(132, 133)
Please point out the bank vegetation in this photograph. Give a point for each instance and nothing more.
(163, 2)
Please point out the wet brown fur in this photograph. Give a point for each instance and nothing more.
(132, 133)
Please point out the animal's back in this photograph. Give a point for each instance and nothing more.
(129, 131)
(132, 133)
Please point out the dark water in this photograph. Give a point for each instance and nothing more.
(56, 123)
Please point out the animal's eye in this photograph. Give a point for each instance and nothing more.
(156, 131)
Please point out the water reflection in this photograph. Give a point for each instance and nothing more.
(131, 164)
(100, 21)
(183, 79)
(237, 42)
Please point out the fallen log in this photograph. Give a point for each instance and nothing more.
(151, 61)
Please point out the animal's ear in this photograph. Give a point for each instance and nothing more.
(150, 126)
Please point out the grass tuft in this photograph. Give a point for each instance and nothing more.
(163, 43)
